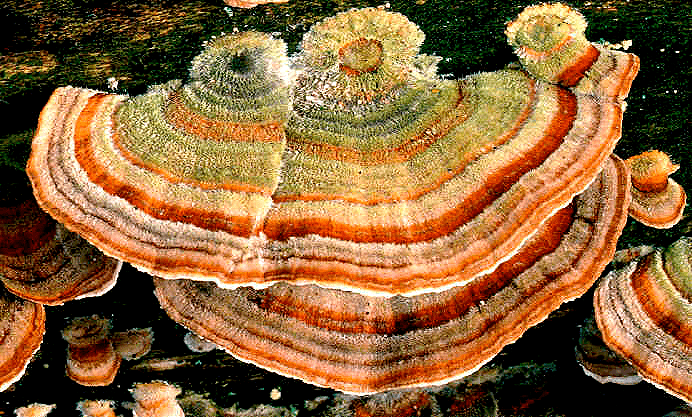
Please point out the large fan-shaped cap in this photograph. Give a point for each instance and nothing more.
(421, 188)
(366, 344)
(644, 312)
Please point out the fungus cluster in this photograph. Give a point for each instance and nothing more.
(41, 263)
(94, 353)
(354, 220)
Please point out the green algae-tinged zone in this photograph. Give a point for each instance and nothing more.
(494, 102)
(679, 272)
(145, 133)
(382, 127)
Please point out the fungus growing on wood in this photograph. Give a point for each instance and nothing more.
(362, 344)
(657, 200)
(405, 204)
(22, 325)
(156, 399)
(644, 312)
(91, 358)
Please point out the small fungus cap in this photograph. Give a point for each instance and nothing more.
(91, 358)
(365, 51)
(96, 408)
(545, 28)
(85, 331)
(156, 399)
(134, 343)
(34, 410)
(650, 170)
(657, 200)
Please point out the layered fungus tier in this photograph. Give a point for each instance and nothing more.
(429, 222)
(644, 312)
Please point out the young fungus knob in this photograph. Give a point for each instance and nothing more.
(547, 38)
(156, 399)
(360, 56)
(91, 358)
(657, 200)
(550, 43)
(96, 408)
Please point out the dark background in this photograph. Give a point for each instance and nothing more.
(50, 43)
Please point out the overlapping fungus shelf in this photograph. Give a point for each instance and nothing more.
(644, 312)
(363, 344)
(371, 174)
(22, 324)
(41, 261)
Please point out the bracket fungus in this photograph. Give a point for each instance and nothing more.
(96, 408)
(415, 185)
(156, 399)
(429, 222)
(657, 201)
(644, 312)
(22, 324)
(41, 261)
(91, 358)
(362, 344)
